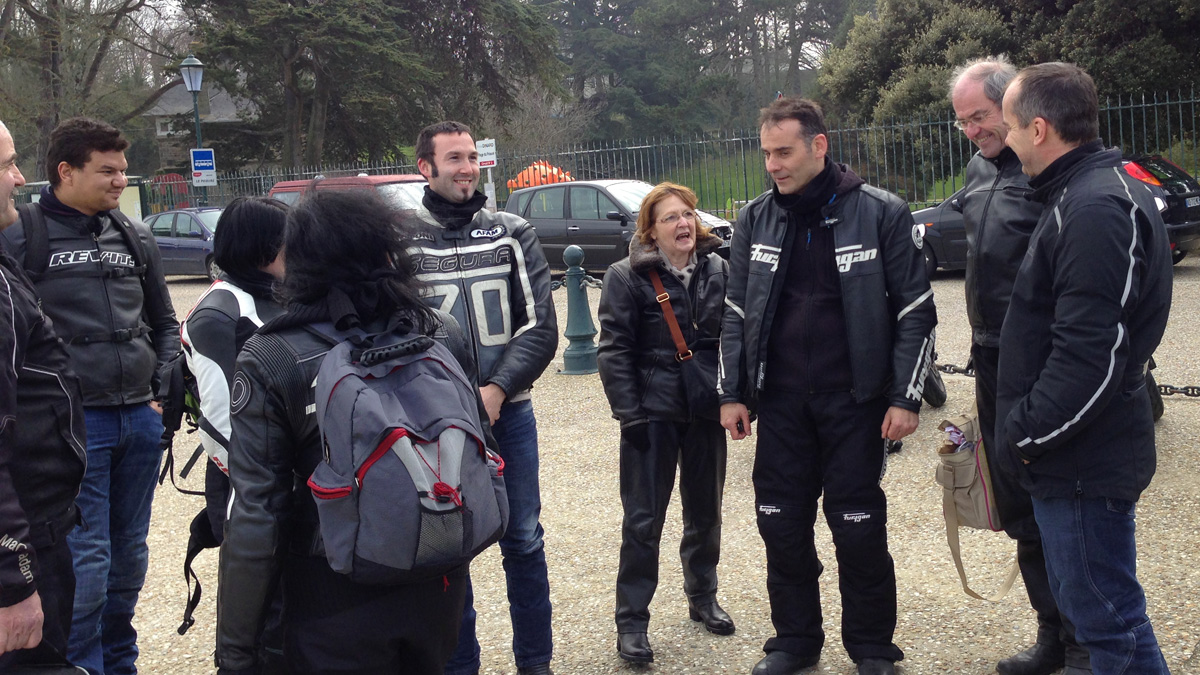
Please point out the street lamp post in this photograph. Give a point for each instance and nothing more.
(193, 78)
(192, 71)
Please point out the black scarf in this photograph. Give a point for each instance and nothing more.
(1061, 167)
(453, 214)
(814, 195)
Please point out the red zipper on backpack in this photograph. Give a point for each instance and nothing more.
(321, 492)
(380, 450)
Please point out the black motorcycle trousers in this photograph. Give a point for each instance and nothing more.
(831, 445)
(649, 454)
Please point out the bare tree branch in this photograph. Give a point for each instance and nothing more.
(150, 100)
(119, 13)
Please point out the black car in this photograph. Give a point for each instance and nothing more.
(599, 216)
(185, 240)
(1177, 194)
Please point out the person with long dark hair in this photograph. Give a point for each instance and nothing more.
(346, 264)
(658, 363)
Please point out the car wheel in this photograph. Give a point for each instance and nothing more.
(210, 264)
(930, 261)
(1177, 256)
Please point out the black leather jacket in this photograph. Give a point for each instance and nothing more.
(636, 354)
(490, 274)
(274, 448)
(42, 440)
(87, 293)
(999, 218)
(888, 302)
(1088, 309)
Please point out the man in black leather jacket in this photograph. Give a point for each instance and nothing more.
(103, 286)
(488, 271)
(1088, 308)
(828, 335)
(42, 460)
(999, 218)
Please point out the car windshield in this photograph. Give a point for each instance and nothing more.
(210, 218)
(404, 196)
(630, 193)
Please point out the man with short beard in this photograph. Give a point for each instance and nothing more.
(488, 271)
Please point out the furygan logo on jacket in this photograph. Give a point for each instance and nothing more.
(853, 254)
(64, 258)
(765, 254)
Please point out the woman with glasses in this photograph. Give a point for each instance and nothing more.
(660, 320)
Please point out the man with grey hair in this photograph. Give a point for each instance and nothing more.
(1088, 308)
(998, 220)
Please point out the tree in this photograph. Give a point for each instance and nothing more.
(76, 57)
(895, 63)
(356, 79)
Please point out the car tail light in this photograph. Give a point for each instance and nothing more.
(1134, 169)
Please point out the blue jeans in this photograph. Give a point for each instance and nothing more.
(109, 548)
(1091, 558)
(521, 549)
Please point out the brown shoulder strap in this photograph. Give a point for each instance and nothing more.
(682, 353)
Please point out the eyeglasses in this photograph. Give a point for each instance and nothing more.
(977, 119)
(673, 219)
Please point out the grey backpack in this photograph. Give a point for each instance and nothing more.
(408, 489)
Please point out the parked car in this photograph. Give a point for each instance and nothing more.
(1177, 193)
(402, 190)
(185, 239)
(599, 216)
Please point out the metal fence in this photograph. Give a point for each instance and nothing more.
(922, 160)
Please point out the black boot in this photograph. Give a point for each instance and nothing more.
(1040, 659)
(784, 663)
(634, 648)
(715, 619)
(876, 667)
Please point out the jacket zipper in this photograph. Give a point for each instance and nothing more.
(987, 205)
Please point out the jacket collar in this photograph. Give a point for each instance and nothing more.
(66, 215)
(450, 214)
(1062, 170)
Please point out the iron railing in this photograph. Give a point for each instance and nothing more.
(922, 160)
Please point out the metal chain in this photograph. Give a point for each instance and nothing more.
(1164, 389)
(587, 280)
(956, 370)
(1168, 390)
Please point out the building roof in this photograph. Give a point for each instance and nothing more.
(222, 107)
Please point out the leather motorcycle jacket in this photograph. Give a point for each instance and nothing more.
(42, 437)
(889, 310)
(274, 448)
(999, 218)
(119, 326)
(487, 270)
(636, 354)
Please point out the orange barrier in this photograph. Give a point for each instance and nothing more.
(540, 172)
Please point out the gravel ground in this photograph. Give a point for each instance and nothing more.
(941, 630)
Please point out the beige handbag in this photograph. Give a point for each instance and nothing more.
(967, 499)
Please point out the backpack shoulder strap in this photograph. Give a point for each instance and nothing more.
(132, 241)
(37, 240)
